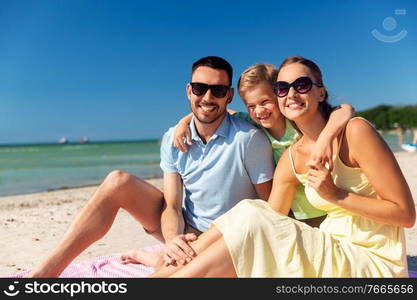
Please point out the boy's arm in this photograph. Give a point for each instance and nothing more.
(182, 131)
(322, 151)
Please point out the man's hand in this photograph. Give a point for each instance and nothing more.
(178, 250)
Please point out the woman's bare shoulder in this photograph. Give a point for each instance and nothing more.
(358, 129)
(364, 141)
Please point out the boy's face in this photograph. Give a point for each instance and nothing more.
(262, 105)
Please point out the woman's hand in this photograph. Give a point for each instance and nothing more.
(182, 132)
(178, 250)
(321, 154)
(321, 180)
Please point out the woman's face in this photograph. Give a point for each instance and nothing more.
(262, 105)
(295, 105)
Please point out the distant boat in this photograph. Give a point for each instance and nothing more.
(83, 140)
(409, 147)
(63, 140)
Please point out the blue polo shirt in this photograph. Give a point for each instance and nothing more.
(220, 173)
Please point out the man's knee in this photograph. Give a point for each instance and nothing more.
(118, 179)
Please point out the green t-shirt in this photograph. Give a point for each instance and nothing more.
(301, 207)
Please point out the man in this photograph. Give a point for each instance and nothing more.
(230, 160)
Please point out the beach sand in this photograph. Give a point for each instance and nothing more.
(32, 224)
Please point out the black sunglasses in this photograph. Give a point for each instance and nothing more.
(218, 90)
(302, 85)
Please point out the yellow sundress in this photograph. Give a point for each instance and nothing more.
(265, 243)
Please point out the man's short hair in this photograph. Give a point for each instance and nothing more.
(214, 62)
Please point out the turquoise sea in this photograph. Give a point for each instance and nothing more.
(41, 167)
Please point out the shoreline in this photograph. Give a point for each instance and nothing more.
(63, 188)
(32, 224)
(78, 186)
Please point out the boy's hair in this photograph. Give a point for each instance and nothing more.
(254, 75)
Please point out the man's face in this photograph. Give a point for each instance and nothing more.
(207, 108)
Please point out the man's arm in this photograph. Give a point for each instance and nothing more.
(263, 189)
(172, 223)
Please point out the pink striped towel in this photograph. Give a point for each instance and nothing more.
(110, 267)
(104, 267)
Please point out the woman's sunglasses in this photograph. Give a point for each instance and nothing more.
(218, 90)
(302, 85)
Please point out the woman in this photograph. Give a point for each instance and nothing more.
(255, 88)
(368, 203)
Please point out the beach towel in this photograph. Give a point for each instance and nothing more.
(108, 266)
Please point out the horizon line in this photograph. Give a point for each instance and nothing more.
(77, 143)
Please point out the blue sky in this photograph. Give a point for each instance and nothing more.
(115, 70)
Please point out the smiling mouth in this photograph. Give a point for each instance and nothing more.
(208, 108)
(296, 105)
(264, 118)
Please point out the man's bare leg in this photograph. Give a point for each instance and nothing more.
(119, 190)
(212, 260)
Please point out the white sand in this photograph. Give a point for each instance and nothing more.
(32, 224)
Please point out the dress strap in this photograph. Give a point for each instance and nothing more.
(291, 159)
(344, 132)
(361, 118)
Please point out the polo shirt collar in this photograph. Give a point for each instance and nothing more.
(222, 131)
